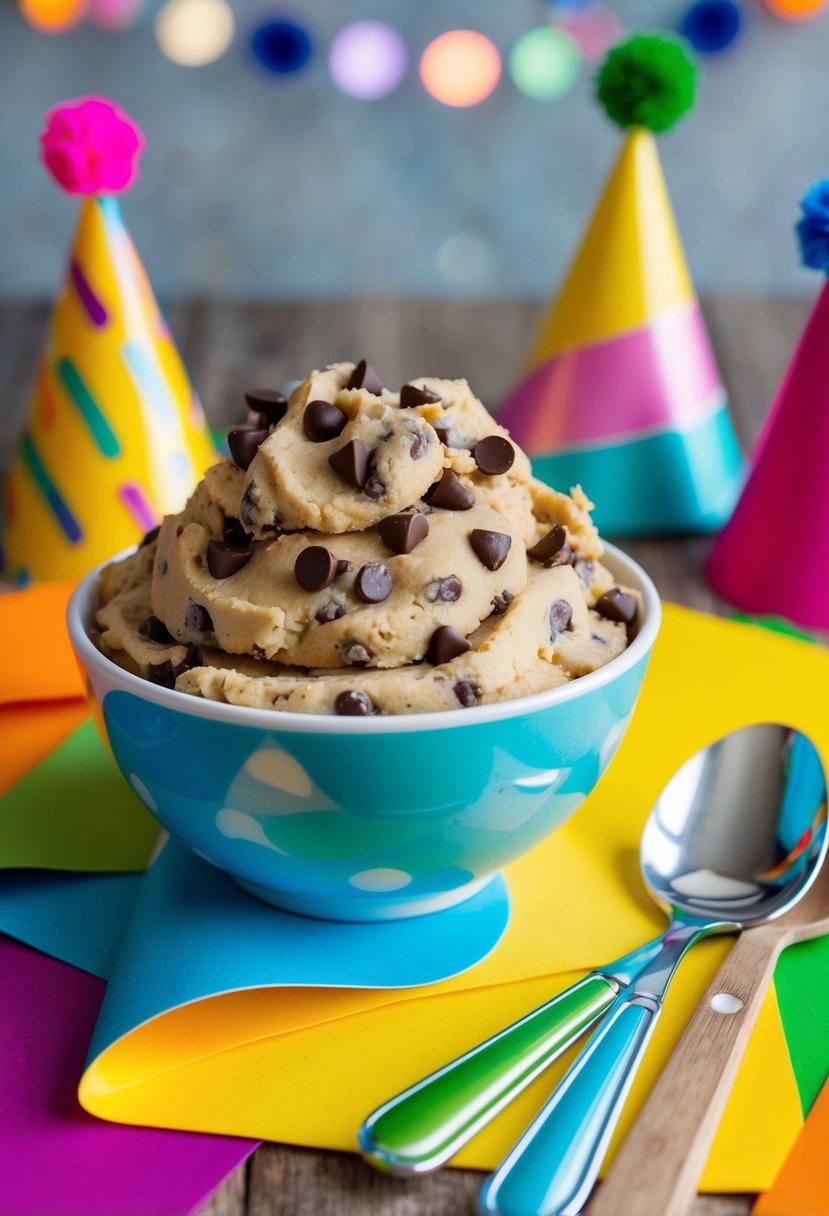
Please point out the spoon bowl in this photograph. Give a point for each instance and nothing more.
(739, 832)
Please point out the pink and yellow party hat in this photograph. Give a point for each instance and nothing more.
(771, 557)
(621, 392)
(115, 436)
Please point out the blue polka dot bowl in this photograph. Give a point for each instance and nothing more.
(365, 818)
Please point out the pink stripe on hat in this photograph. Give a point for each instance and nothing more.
(659, 375)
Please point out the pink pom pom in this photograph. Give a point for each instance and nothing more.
(90, 146)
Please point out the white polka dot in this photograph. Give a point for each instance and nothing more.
(158, 848)
(380, 880)
(143, 793)
(612, 742)
(725, 1002)
(239, 826)
(277, 768)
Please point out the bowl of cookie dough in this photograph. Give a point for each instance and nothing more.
(372, 660)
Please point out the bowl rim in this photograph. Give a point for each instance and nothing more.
(621, 565)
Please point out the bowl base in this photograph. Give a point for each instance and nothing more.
(361, 908)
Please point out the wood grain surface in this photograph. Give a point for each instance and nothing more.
(230, 347)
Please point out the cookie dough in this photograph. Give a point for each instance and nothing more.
(372, 552)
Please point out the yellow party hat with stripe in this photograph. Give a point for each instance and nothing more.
(630, 266)
(620, 392)
(115, 437)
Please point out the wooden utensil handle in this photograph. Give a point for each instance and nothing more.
(659, 1165)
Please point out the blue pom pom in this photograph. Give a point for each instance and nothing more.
(711, 25)
(813, 227)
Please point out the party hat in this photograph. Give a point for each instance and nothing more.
(115, 436)
(771, 557)
(621, 393)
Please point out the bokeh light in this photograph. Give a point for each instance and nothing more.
(795, 10)
(711, 26)
(194, 32)
(545, 63)
(368, 60)
(54, 16)
(596, 29)
(465, 262)
(460, 68)
(281, 45)
(114, 14)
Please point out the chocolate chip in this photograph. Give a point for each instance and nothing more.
(235, 535)
(617, 605)
(598, 639)
(443, 434)
(323, 420)
(315, 568)
(193, 657)
(550, 550)
(373, 583)
(342, 566)
(501, 602)
(198, 619)
(225, 560)
(465, 693)
(410, 396)
(584, 569)
(446, 644)
(420, 444)
(364, 376)
(357, 655)
(445, 590)
(156, 631)
(247, 509)
(451, 494)
(163, 568)
(403, 532)
(351, 462)
(561, 618)
(163, 674)
(494, 455)
(329, 612)
(491, 548)
(150, 536)
(268, 404)
(374, 487)
(353, 704)
(244, 442)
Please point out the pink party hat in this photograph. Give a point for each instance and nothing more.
(771, 557)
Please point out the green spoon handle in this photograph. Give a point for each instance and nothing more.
(424, 1126)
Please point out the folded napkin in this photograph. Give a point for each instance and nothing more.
(56, 1159)
(304, 1065)
(51, 763)
(800, 1188)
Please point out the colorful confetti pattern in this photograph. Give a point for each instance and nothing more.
(115, 436)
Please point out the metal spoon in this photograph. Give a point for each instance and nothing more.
(735, 840)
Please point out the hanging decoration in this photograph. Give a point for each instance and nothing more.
(460, 68)
(281, 45)
(368, 60)
(711, 26)
(545, 63)
(194, 32)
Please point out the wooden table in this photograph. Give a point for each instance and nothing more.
(229, 347)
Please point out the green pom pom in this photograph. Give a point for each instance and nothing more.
(647, 81)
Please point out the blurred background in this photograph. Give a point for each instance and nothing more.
(319, 151)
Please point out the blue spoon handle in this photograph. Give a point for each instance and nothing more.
(552, 1168)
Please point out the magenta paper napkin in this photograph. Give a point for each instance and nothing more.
(55, 1160)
